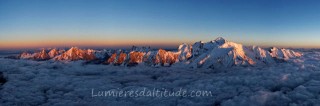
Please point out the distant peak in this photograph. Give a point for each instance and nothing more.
(73, 47)
(220, 40)
(184, 44)
(43, 50)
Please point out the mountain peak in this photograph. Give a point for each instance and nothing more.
(42, 55)
(75, 53)
(220, 40)
(53, 52)
(73, 48)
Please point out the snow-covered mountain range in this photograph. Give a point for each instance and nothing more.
(254, 76)
(215, 53)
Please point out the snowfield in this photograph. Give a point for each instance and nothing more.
(293, 83)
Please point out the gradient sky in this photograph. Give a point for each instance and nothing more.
(163, 23)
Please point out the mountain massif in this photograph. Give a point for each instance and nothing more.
(212, 54)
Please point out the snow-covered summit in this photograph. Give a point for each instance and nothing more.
(223, 53)
(53, 53)
(75, 53)
(220, 40)
(43, 55)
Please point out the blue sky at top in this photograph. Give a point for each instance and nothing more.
(287, 23)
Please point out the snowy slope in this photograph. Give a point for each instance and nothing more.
(185, 52)
(53, 53)
(75, 53)
(284, 54)
(43, 55)
(223, 53)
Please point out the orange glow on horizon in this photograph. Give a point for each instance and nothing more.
(122, 43)
(87, 43)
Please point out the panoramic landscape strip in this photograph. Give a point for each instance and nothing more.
(159, 53)
(215, 53)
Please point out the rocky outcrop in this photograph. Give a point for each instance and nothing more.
(166, 58)
(75, 53)
(53, 53)
(136, 57)
(43, 55)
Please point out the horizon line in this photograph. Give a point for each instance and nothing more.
(128, 46)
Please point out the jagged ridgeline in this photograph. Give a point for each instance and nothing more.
(215, 53)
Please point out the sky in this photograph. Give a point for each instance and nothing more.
(158, 23)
